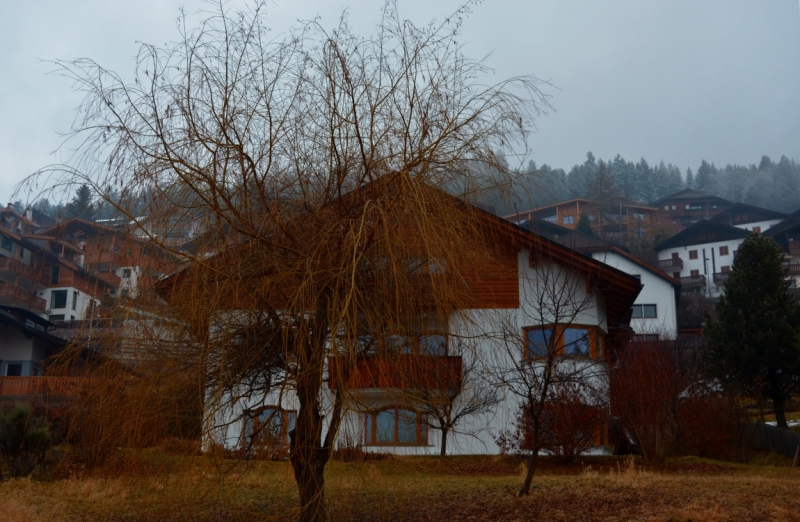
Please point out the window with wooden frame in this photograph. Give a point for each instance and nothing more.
(571, 340)
(424, 343)
(395, 427)
(268, 426)
(723, 251)
(692, 254)
(644, 311)
(757, 230)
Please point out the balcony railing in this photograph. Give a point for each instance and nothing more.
(792, 269)
(399, 371)
(8, 264)
(24, 386)
(667, 264)
(721, 277)
(693, 281)
(794, 248)
(22, 297)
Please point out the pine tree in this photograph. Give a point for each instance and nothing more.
(754, 344)
(689, 179)
(81, 204)
(585, 226)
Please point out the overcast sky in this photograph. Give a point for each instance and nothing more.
(678, 80)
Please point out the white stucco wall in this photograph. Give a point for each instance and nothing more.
(82, 304)
(714, 262)
(655, 290)
(763, 224)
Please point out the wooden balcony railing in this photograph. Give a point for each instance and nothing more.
(721, 277)
(22, 297)
(792, 269)
(794, 248)
(399, 371)
(667, 264)
(40, 385)
(8, 264)
(693, 281)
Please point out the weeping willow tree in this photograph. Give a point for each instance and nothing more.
(328, 173)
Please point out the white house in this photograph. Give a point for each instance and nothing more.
(701, 256)
(552, 294)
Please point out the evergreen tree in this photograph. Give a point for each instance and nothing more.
(81, 204)
(585, 226)
(602, 187)
(706, 178)
(689, 179)
(755, 342)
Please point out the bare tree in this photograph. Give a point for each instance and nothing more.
(448, 403)
(552, 359)
(311, 161)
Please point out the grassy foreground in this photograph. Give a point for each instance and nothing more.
(155, 486)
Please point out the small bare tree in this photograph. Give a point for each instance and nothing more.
(552, 359)
(309, 162)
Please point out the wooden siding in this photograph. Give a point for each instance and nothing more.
(399, 371)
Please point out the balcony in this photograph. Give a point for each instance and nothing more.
(11, 265)
(25, 386)
(669, 264)
(794, 248)
(693, 281)
(399, 371)
(721, 277)
(22, 297)
(792, 269)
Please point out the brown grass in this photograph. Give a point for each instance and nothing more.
(417, 489)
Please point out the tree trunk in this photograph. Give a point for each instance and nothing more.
(780, 414)
(526, 486)
(443, 451)
(305, 457)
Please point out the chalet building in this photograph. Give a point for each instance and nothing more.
(688, 206)
(701, 256)
(749, 217)
(513, 308)
(787, 235)
(617, 219)
(654, 313)
(126, 261)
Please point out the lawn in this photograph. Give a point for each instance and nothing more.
(156, 486)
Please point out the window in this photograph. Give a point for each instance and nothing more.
(757, 230)
(737, 218)
(395, 426)
(710, 235)
(744, 217)
(638, 215)
(694, 273)
(676, 275)
(269, 426)
(126, 273)
(645, 338)
(644, 311)
(129, 253)
(576, 341)
(6, 243)
(14, 369)
(687, 207)
(666, 207)
(585, 341)
(538, 341)
(692, 254)
(22, 251)
(568, 220)
(725, 269)
(74, 300)
(674, 207)
(58, 299)
(702, 236)
(56, 317)
(54, 275)
(433, 344)
(723, 251)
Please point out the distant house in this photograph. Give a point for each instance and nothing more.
(749, 217)
(654, 313)
(688, 206)
(616, 219)
(787, 235)
(701, 256)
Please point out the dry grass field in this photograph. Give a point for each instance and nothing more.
(156, 486)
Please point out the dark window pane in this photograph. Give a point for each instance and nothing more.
(538, 341)
(384, 426)
(650, 311)
(58, 299)
(54, 275)
(433, 344)
(637, 311)
(14, 370)
(576, 341)
(407, 427)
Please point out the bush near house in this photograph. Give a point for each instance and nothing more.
(24, 440)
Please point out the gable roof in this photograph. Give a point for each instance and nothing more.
(620, 289)
(583, 243)
(689, 194)
(701, 233)
(618, 200)
(753, 213)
